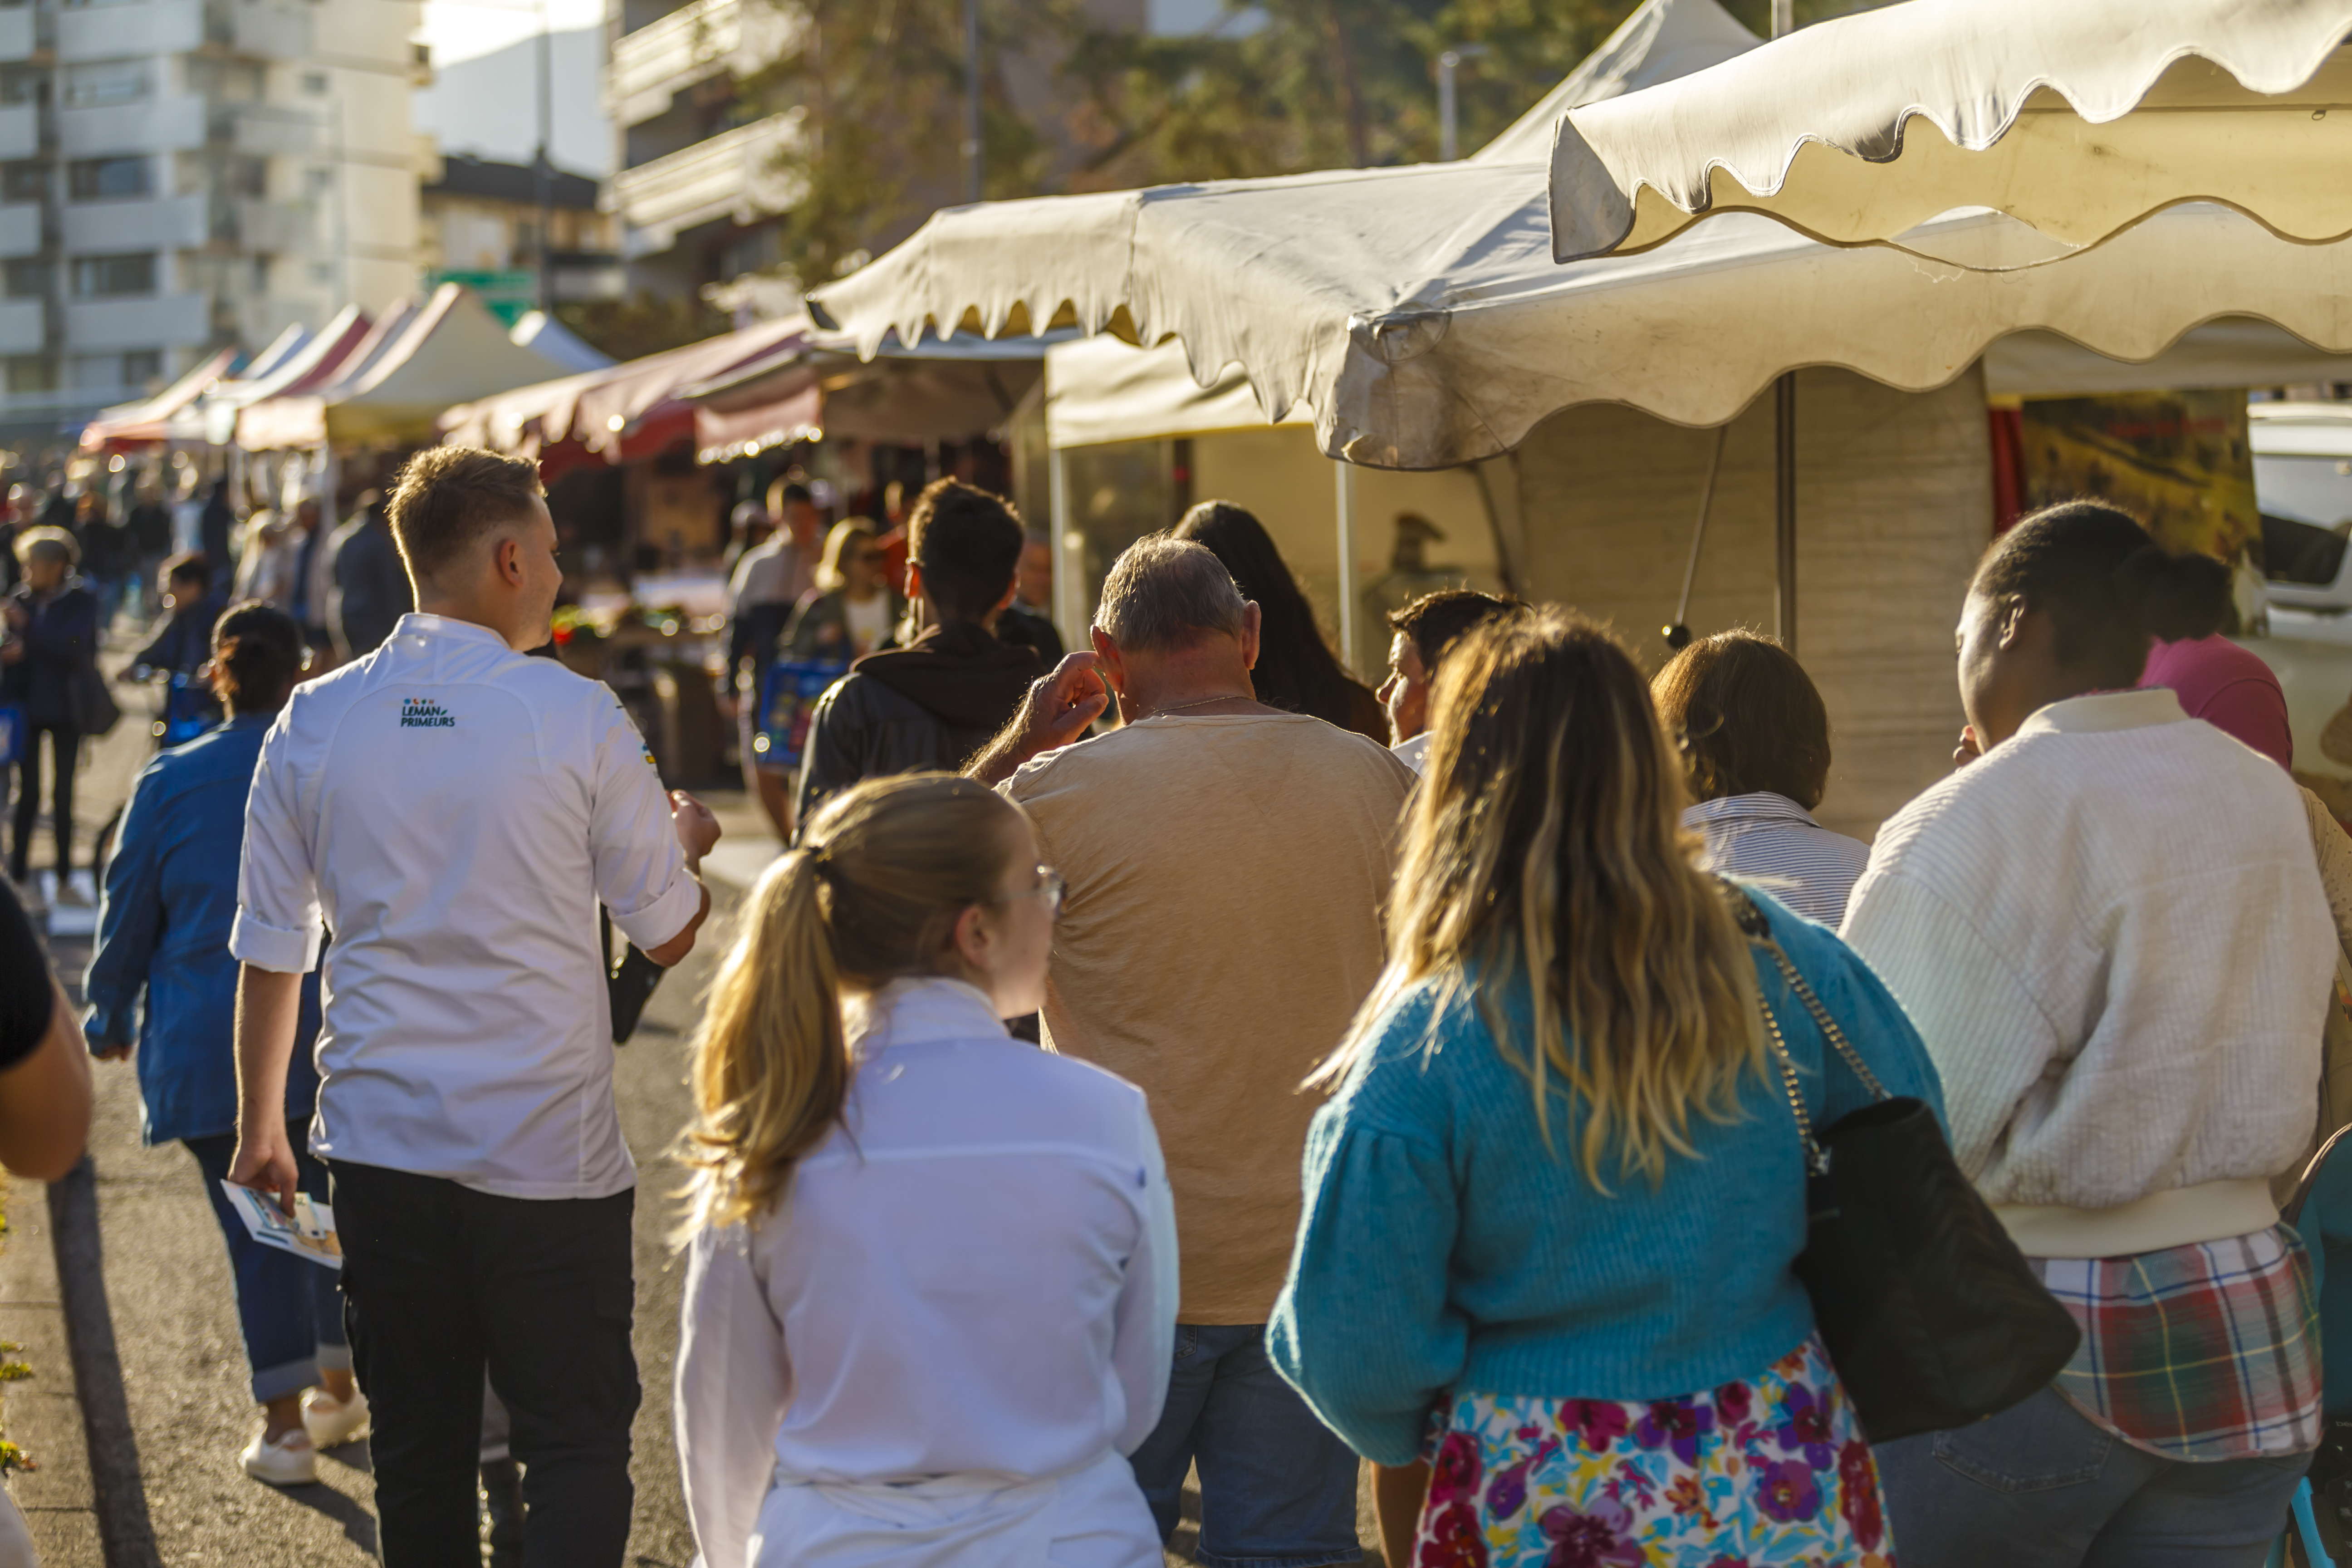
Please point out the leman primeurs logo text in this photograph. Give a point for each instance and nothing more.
(424, 713)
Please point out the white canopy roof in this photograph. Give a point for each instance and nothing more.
(2079, 117)
(1417, 315)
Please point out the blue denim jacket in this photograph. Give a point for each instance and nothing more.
(170, 893)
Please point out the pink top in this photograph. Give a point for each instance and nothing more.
(2228, 687)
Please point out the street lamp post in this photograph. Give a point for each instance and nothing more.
(1449, 111)
(972, 99)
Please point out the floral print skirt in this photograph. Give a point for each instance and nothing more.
(1770, 1471)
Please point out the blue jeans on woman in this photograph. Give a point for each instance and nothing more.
(2043, 1486)
(1277, 1487)
(290, 1309)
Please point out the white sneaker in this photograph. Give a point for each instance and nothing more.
(291, 1461)
(330, 1421)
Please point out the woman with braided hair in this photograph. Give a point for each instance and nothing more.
(931, 1297)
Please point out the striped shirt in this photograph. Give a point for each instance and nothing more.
(1771, 840)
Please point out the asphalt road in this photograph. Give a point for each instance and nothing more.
(174, 1305)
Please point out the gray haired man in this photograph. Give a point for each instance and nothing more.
(1226, 862)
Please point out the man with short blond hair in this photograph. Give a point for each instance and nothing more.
(457, 812)
(1227, 863)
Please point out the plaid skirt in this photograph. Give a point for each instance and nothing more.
(1769, 1472)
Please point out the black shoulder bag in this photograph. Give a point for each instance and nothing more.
(1931, 1315)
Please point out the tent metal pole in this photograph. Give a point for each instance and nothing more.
(1344, 499)
(1784, 507)
(1784, 449)
(1069, 558)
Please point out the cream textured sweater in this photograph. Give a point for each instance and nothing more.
(2111, 934)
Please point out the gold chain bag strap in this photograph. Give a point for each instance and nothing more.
(1931, 1315)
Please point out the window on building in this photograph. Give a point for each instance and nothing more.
(315, 83)
(141, 367)
(31, 373)
(104, 179)
(109, 276)
(319, 181)
(24, 181)
(24, 84)
(224, 81)
(261, 275)
(28, 279)
(94, 372)
(101, 82)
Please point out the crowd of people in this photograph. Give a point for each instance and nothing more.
(1428, 1073)
(71, 571)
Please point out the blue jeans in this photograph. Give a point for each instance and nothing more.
(290, 1310)
(1277, 1487)
(2041, 1486)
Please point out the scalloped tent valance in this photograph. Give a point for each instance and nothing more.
(2080, 118)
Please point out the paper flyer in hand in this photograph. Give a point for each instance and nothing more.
(309, 1234)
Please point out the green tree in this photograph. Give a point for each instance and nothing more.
(1069, 104)
(879, 89)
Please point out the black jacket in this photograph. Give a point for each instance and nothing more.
(930, 704)
(371, 590)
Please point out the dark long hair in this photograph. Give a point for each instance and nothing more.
(1296, 670)
(257, 654)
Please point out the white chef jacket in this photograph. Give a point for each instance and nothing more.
(968, 1292)
(455, 811)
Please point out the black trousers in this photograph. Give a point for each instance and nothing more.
(440, 1281)
(65, 751)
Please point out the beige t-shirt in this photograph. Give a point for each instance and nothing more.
(1226, 880)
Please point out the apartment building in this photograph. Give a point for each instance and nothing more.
(178, 175)
(481, 217)
(697, 190)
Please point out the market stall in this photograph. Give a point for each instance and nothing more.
(164, 418)
(1417, 316)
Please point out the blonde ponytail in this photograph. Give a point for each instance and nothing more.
(872, 895)
(771, 1067)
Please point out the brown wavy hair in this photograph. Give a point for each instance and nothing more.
(1546, 843)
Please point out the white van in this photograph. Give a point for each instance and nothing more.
(2303, 482)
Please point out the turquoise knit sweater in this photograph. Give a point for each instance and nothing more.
(1444, 1249)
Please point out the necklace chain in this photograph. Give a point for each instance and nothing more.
(1203, 702)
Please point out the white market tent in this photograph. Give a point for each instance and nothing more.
(1416, 318)
(395, 380)
(1418, 315)
(2079, 118)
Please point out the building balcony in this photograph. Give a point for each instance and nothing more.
(155, 222)
(732, 175)
(262, 130)
(15, 33)
(149, 321)
(21, 233)
(708, 38)
(272, 226)
(260, 28)
(21, 326)
(145, 27)
(150, 125)
(20, 129)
